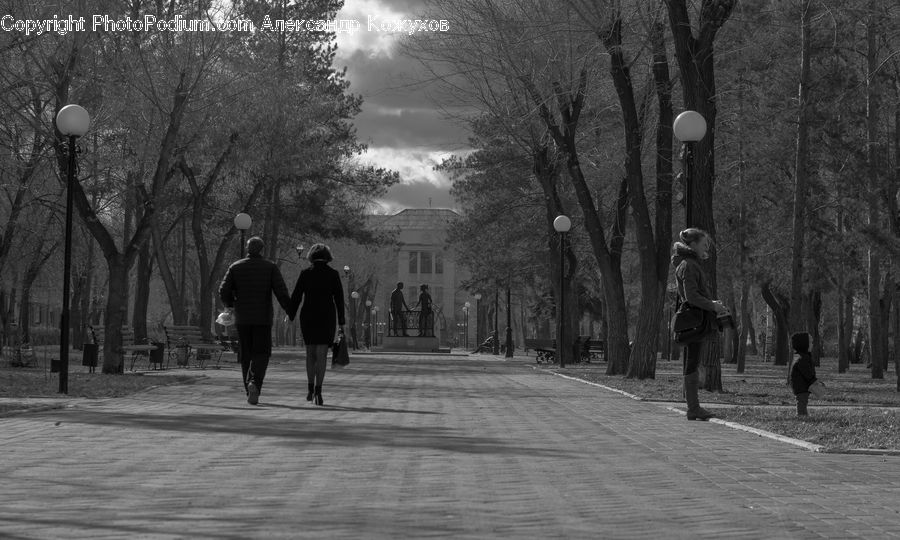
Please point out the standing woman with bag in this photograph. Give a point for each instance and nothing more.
(320, 292)
(693, 288)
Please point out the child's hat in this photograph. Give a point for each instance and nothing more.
(800, 341)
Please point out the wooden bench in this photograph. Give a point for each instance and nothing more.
(98, 334)
(187, 341)
(591, 349)
(545, 349)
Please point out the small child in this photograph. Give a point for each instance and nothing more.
(802, 371)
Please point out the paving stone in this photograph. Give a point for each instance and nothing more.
(420, 447)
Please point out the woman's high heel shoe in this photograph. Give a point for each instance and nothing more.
(309, 396)
(319, 400)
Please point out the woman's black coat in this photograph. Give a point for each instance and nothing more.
(320, 291)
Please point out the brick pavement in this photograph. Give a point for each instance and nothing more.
(420, 447)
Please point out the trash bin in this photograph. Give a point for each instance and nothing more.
(157, 356)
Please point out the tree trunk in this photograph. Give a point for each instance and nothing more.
(730, 336)
(115, 315)
(884, 310)
(176, 300)
(800, 172)
(711, 367)
(696, 64)
(778, 303)
(813, 322)
(843, 348)
(142, 294)
(642, 360)
(876, 325)
(744, 314)
(618, 349)
(745, 326)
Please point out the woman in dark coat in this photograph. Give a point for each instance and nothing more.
(693, 288)
(320, 291)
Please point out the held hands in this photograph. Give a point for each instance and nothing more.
(721, 310)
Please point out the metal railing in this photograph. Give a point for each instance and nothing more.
(411, 323)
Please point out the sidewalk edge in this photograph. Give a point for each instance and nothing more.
(603, 386)
(762, 433)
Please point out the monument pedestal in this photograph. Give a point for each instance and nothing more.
(410, 344)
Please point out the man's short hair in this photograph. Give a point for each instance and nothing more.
(399, 284)
(255, 245)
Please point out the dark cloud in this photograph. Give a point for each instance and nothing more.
(400, 121)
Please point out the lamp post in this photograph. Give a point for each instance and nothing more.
(466, 307)
(242, 221)
(353, 340)
(73, 122)
(352, 306)
(496, 326)
(689, 127)
(368, 324)
(477, 321)
(561, 224)
(375, 317)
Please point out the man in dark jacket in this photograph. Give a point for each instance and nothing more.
(247, 288)
(398, 305)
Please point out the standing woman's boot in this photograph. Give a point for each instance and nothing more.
(318, 391)
(309, 396)
(694, 410)
(802, 401)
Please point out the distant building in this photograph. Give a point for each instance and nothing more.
(423, 257)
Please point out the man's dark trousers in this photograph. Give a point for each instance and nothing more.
(255, 350)
(399, 323)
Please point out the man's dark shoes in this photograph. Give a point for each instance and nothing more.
(252, 394)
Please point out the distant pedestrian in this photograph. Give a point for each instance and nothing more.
(693, 288)
(321, 294)
(398, 306)
(425, 312)
(802, 372)
(247, 289)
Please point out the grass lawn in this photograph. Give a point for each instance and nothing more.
(854, 413)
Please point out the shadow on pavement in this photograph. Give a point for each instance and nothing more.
(342, 408)
(330, 432)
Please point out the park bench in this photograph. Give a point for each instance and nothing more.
(184, 341)
(129, 347)
(545, 349)
(591, 349)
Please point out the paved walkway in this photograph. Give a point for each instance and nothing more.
(420, 447)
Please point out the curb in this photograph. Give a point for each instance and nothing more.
(812, 447)
(598, 385)
(762, 433)
(733, 425)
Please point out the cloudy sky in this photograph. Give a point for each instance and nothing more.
(405, 131)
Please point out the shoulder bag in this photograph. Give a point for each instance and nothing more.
(690, 324)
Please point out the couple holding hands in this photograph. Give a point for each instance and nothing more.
(319, 295)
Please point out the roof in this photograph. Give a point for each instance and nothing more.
(415, 218)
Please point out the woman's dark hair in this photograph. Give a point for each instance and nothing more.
(692, 235)
(319, 252)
